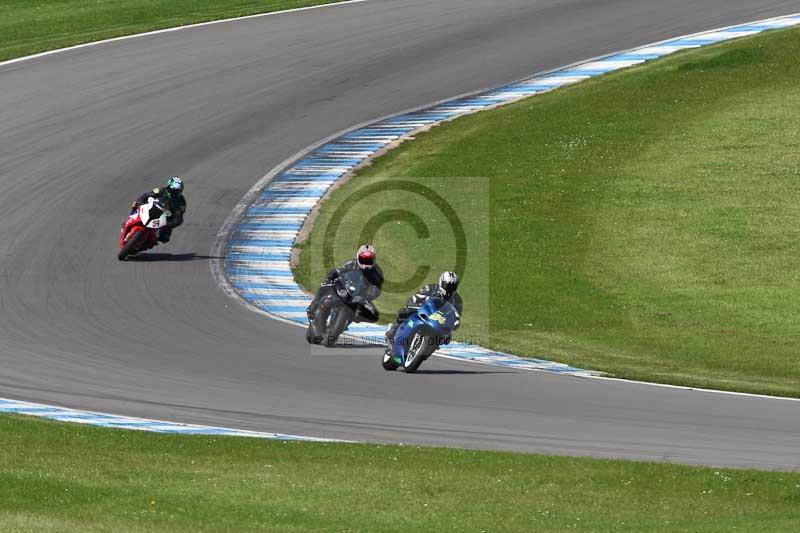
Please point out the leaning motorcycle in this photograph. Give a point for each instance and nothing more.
(140, 230)
(421, 334)
(348, 302)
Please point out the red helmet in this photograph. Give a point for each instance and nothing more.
(366, 257)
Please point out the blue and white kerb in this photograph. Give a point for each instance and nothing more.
(62, 414)
(257, 254)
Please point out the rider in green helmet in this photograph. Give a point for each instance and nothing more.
(172, 195)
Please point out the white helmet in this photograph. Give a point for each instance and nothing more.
(448, 281)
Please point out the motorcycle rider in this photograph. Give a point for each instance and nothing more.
(172, 196)
(365, 262)
(446, 288)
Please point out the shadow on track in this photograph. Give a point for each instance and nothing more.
(354, 346)
(460, 372)
(145, 257)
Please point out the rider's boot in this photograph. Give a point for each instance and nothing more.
(391, 331)
(311, 310)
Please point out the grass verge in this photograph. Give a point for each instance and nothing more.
(32, 26)
(69, 477)
(644, 223)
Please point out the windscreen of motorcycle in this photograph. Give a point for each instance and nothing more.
(153, 216)
(350, 284)
(439, 313)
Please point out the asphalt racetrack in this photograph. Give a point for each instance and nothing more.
(85, 131)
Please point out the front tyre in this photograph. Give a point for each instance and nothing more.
(329, 323)
(131, 246)
(418, 350)
(336, 324)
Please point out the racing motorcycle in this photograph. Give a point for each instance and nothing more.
(140, 230)
(348, 302)
(421, 335)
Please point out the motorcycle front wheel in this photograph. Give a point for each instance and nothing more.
(131, 246)
(330, 322)
(418, 350)
(337, 323)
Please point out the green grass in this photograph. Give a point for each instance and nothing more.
(67, 477)
(31, 26)
(644, 223)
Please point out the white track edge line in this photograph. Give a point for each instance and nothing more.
(245, 432)
(175, 28)
(696, 389)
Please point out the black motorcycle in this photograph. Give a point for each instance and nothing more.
(348, 301)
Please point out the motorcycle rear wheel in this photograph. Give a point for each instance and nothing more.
(311, 335)
(131, 246)
(388, 361)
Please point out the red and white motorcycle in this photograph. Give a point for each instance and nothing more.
(140, 230)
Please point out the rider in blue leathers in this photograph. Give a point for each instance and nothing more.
(446, 288)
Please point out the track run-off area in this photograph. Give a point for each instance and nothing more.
(87, 130)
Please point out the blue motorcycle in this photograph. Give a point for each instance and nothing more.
(421, 334)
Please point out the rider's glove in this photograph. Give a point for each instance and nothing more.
(403, 314)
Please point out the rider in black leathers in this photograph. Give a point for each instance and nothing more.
(446, 288)
(172, 196)
(365, 262)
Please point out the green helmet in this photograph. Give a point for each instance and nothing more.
(174, 186)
